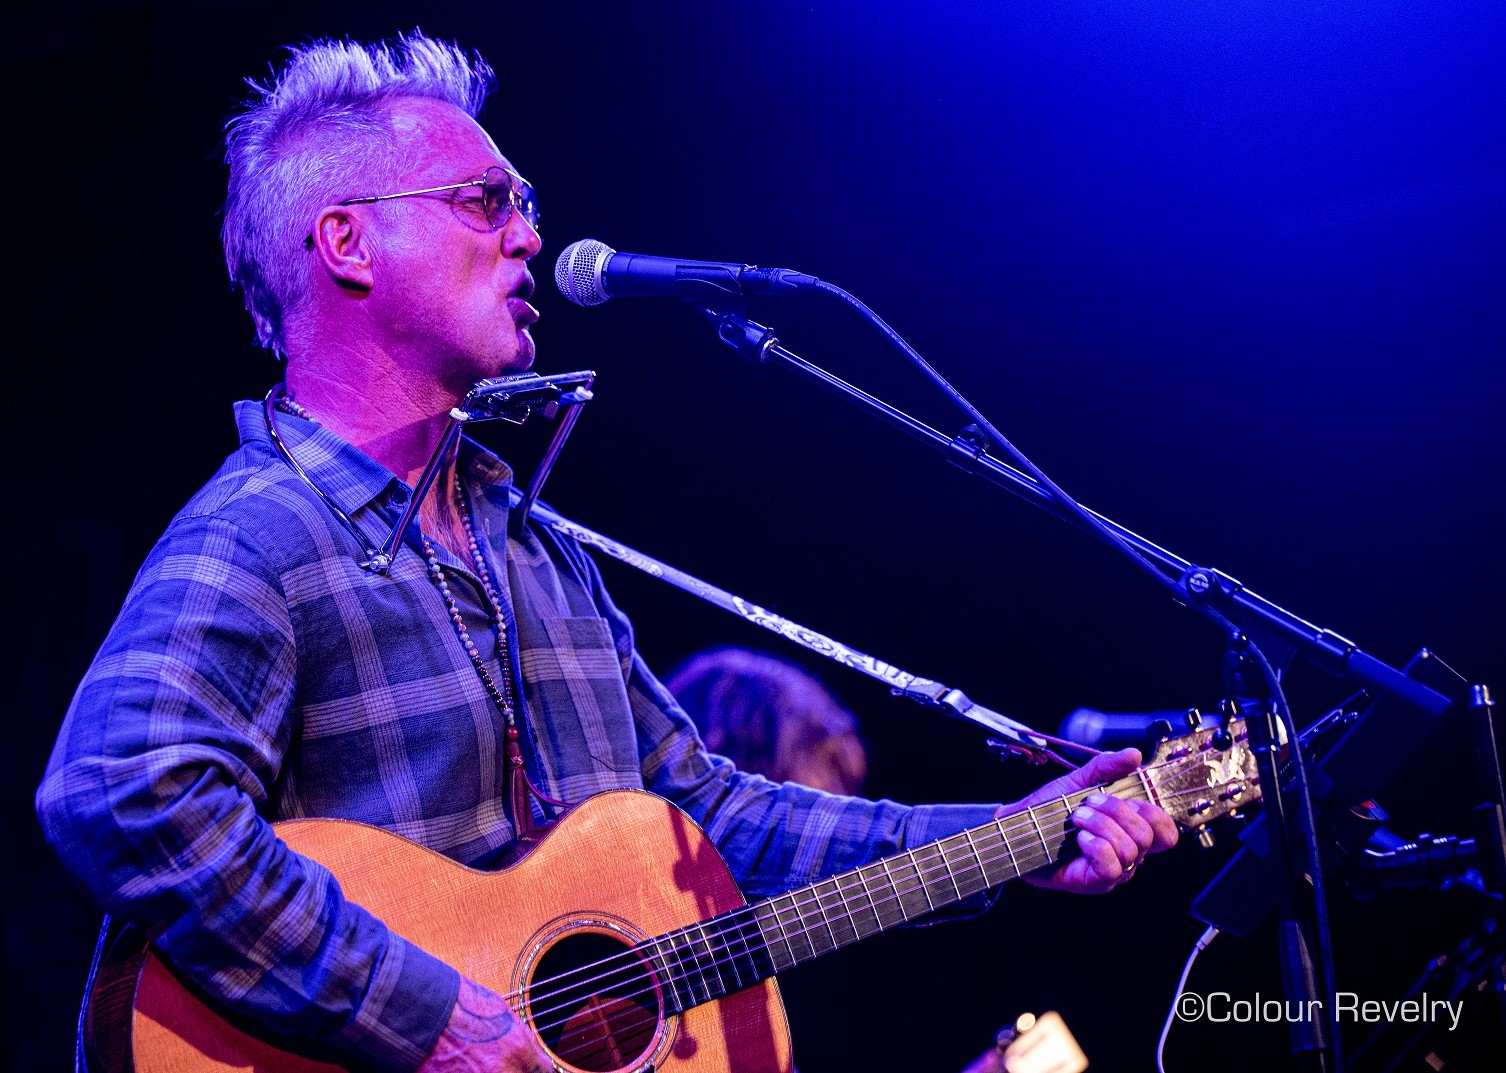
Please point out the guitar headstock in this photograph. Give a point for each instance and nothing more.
(1205, 774)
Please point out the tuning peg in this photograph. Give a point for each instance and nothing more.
(1222, 740)
(1205, 838)
(1194, 719)
(1228, 708)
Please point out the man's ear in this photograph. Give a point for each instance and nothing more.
(340, 241)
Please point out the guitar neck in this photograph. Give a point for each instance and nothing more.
(732, 951)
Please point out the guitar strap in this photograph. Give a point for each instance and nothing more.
(1018, 738)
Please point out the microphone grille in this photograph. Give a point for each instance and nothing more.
(577, 273)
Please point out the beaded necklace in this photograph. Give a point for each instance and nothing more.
(519, 788)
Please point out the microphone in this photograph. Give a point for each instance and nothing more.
(1427, 862)
(589, 272)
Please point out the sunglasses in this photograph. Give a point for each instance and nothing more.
(502, 191)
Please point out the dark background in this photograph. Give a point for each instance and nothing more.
(1231, 272)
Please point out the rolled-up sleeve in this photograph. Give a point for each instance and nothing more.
(154, 800)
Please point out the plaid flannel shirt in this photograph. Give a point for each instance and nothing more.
(257, 673)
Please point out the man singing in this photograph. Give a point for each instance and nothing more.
(258, 672)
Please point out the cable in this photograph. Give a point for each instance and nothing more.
(1197, 948)
(1309, 818)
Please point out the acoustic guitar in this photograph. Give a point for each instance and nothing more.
(621, 938)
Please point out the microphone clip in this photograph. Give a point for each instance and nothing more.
(747, 337)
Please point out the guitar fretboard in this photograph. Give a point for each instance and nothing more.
(737, 949)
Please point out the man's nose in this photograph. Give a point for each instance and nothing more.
(520, 239)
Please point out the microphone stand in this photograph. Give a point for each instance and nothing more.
(1200, 585)
(1220, 596)
(1299, 982)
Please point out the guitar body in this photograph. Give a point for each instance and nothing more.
(621, 939)
(618, 869)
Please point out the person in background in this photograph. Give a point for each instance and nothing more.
(769, 716)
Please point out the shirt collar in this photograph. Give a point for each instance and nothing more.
(346, 474)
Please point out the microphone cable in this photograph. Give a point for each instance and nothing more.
(1197, 948)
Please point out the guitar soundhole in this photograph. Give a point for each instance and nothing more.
(592, 1001)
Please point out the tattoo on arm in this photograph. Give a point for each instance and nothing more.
(485, 1034)
(486, 1015)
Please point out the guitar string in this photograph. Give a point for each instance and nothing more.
(632, 959)
(1035, 859)
(735, 924)
(567, 1045)
(746, 916)
(629, 957)
(632, 968)
(544, 1020)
